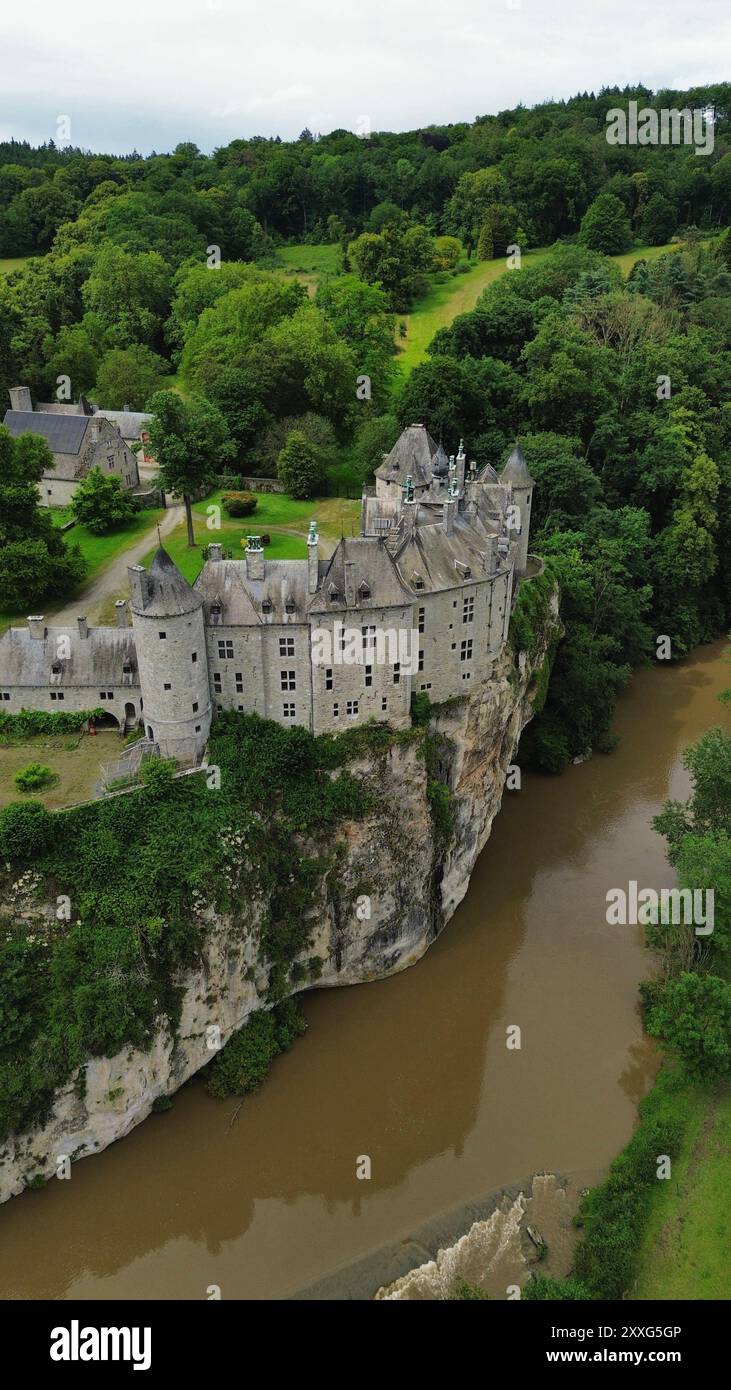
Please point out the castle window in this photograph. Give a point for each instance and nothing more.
(422, 618)
(194, 657)
(162, 636)
(384, 702)
(468, 610)
(369, 675)
(421, 660)
(336, 710)
(197, 728)
(225, 649)
(369, 636)
(287, 679)
(465, 649)
(333, 595)
(351, 707)
(215, 612)
(364, 591)
(217, 683)
(56, 667)
(6, 694)
(126, 669)
(419, 582)
(266, 606)
(195, 706)
(167, 685)
(397, 673)
(239, 682)
(289, 711)
(426, 687)
(329, 678)
(289, 606)
(286, 646)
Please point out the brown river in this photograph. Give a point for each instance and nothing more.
(413, 1071)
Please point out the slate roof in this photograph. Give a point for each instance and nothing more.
(429, 553)
(242, 600)
(371, 566)
(516, 469)
(166, 594)
(95, 660)
(412, 455)
(130, 423)
(64, 434)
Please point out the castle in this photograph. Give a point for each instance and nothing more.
(420, 601)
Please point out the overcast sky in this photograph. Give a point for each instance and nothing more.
(149, 73)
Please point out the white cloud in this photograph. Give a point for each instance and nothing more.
(152, 72)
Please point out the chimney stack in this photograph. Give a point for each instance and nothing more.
(120, 608)
(139, 585)
(83, 627)
(349, 583)
(37, 625)
(215, 551)
(449, 507)
(254, 558)
(312, 561)
(20, 398)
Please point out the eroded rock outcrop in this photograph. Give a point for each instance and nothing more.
(394, 880)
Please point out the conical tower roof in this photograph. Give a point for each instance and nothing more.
(166, 594)
(516, 470)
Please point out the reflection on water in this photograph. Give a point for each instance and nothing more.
(413, 1071)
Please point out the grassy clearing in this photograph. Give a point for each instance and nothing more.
(684, 1252)
(308, 264)
(13, 263)
(75, 758)
(99, 551)
(642, 253)
(276, 514)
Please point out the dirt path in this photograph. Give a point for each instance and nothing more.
(111, 582)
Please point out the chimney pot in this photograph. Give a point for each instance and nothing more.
(37, 625)
(215, 550)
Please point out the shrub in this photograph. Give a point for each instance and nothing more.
(26, 830)
(542, 1288)
(245, 1060)
(692, 1015)
(36, 721)
(240, 503)
(33, 777)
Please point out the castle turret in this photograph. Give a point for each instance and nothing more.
(516, 473)
(170, 639)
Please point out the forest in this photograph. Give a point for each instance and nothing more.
(155, 282)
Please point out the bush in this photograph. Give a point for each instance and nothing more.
(35, 721)
(245, 1060)
(692, 1015)
(26, 830)
(33, 777)
(542, 1289)
(300, 467)
(240, 503)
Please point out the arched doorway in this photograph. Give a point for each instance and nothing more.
(107, 720)
(130, 716)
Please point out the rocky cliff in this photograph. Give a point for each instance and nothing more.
(393, 882)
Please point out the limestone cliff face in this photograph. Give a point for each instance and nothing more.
(390, 889)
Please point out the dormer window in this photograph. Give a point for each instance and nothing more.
(127, 669)
(266, 606)
(56, 668)
(418, 582)
(215, 612)
(364, 591)
(289, 606)
(333, 594)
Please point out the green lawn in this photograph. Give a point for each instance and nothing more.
(642, 253)
(13, 263)
(307, 263)
(685, 1250)
(274, 512)
(74, 758)
(441, 304)
(98, 551)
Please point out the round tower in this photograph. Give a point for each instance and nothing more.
(516, 473)
(170, 640)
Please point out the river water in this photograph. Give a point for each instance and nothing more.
(413, 1071)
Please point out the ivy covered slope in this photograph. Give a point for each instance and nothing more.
(133, 924)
